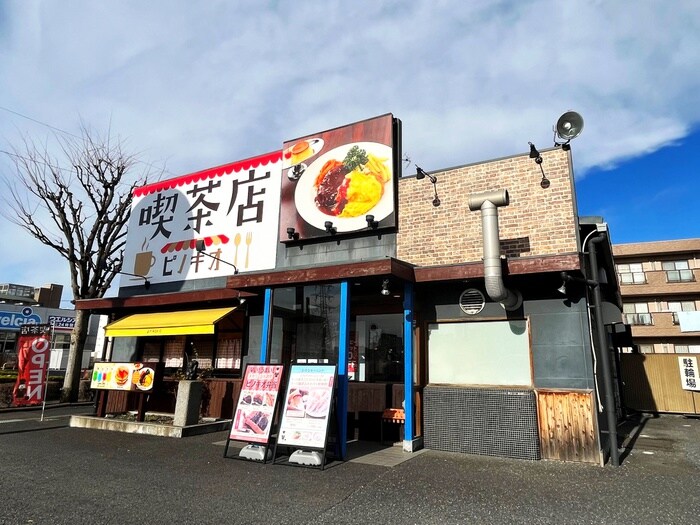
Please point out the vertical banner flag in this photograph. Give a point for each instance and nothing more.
(33, 353)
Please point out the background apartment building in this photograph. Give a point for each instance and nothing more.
(660, 287)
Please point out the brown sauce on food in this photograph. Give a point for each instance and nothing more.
(327, 193)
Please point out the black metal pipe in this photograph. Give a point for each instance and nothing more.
(604, 353)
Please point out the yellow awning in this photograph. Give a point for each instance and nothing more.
(167, 323)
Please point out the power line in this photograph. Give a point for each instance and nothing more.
(70, 134)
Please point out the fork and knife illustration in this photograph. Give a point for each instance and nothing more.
(237, 241)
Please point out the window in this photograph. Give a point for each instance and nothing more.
(646, 349)
(228, 353)
(174, 351)
(631, 273)
(681, 349)
(677, 271)
(636, 313)
(680, 306)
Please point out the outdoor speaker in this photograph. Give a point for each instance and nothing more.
(569, 125)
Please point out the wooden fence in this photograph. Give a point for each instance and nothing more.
(652, 383)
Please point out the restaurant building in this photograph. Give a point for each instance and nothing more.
(476, 289)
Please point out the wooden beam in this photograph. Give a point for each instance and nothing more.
(336, 272)
(177, 298)
(512, 266)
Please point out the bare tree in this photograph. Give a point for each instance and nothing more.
(77, 202)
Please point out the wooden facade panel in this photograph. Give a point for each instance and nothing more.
(221, 397)
(652, 383)
(366, 397)
(567, 426)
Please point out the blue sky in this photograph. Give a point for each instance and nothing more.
(189, 85)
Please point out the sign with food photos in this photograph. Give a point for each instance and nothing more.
(307, 406)
(134, 377)
(342, 180)
(252, 419)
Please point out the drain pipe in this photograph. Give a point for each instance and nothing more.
(489, 202)
(604, 351)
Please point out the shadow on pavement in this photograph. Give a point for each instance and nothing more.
(630, 430)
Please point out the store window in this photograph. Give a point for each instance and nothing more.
(636, 313)
(677, 271)
(376, 348)
(631, 273)
(8, 341)
(306, 321)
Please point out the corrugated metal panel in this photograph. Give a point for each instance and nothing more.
(493, 422)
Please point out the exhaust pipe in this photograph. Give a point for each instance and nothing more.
(489, 202)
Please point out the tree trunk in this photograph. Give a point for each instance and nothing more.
(71, 383)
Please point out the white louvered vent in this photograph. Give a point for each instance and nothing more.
(471, 301)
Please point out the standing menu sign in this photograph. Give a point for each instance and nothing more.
(252, 419)
(307, 406)
(34, 349)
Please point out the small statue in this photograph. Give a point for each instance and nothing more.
(191, 370)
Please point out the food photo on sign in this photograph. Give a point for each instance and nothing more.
(254, 413)
(339, 181)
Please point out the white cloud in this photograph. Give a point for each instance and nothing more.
(202, 84)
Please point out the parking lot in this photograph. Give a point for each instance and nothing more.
(56, 474)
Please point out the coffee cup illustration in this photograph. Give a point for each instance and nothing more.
(143, 262)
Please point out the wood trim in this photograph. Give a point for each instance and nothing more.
(512, 266)
(336, 272)
(107, 304)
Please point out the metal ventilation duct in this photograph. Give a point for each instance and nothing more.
(488, 202)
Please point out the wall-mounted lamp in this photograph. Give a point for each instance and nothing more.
(241, 300)
(330, 228)
(566, 278)
(371, 223)
(292, 234)
(201, 248)
(385, 287)
(146, 282)
(535, 155)
(568, 127)
(421, 174)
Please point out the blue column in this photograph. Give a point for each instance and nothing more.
(266, 327)
(408, 359)
(343, 347)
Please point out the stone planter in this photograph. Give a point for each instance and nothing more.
(189, 401)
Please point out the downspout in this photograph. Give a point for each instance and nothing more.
(489, 202)
(604, 351)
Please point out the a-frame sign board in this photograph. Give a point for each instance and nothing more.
(254, 413)
(307, 415)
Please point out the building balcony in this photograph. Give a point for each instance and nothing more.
(658, 283)
(662, 324)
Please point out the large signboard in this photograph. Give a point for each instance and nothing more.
(14, 317)
(333, 180)
(252, 419)
(234, 209)
(688, 365)
(33, 353)
(307, 406)
(136, 377)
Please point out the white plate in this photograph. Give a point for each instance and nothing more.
(305, 192)
(315, 146)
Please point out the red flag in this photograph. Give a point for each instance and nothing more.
(33, 353)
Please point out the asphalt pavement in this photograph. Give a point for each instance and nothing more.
(53, 474)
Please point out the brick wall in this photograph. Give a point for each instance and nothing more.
(536, 222)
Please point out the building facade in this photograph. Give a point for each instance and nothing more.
(660, 287)
(439, 294)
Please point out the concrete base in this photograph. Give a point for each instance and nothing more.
(189, 401)
(152, 429)
(413, 445)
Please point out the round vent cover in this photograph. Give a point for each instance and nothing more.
(472, 301)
